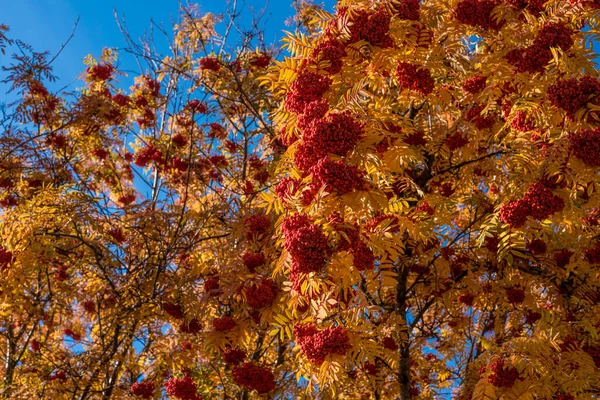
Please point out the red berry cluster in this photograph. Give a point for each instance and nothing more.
(573, 94)
(102, 72)
(372, 224)
(253, 377)
(261, 295)
(174, 310)
(456, 141)
(184, 388)
(424, 207)
(515, 295)
(372, 27)
(563, 257)
(308, 87)
(585, 145)
(337, 176)
(209, 63)
(414, 77)
(306, 244)
(480, 121)
(521, 123)
(416, 138)
(466, 299)
(316, 345)
(501, 376)
(211, 286)
(531, 317)
(253, 260)
(260, 60)
(478, 13)
(331, 50)
(224, 324)
(146, 154)
(474, 84)
(257, 226)
(196, 106)
(234, 356)
(533, 6)
(286, 187)
(593, 255)
(539, 203)
(179, 140)
(389, 343)
(144, 389)
(313, 112)
(5, 258)
(409, 10)
(192, 327)
(537, 247)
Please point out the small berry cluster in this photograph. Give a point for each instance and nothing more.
(144, 389)
(337, 176)
(146, 154)
(389, 343)
(585, 145)
(478, 13)
(99, 72)
(286, 187)
(209, 63)
(593, 255)
(261, 295)
(5, 258)
(408, 10)
(563, 257)
(308, 87)
(253, 260)
(306, 244)
(192, 326)
(480, 121)
(253, 377)
(174, 310)
(474, 84)
(572, 94)
(316, 345)
(537, 247)
(515, 295)
(234, 356)
(224, 324)
(456, 141)
(539, 203)
(260, 60)
(184, 388)
(257, 226)
(466, 299)
(521, 122)
(372, 27)
(533, 6)
(331, 50)
(501, 376)
(414, 77)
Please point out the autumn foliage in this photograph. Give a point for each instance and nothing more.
(401, 204)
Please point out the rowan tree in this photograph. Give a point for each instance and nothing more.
(403, 207)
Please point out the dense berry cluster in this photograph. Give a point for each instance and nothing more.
(308, 87)
(539, 203)
(466, 299)
(521, 122)
(313, 112)
(456, 141)
(256, 226)
(146, 154)
(572, 94)
(262, 294)
(537, 247)
(593, 255)
(253, 260)
(224, 324)
(234, 356)
(409, 10)
(333, 51)
(414, 77)
(316, 345)
(478, 13)
(253, 377)
(389, 343)
(372, 27)
(306, 244)
(515, 295)
(184, 388)
(502, 376)
(480, 121)
(99, 72)
(174, 310)
(286, 187)
(533, 6)
(585, 145)
(260, 60)
(5, 258)
(192, 326)
(474, 84)
(563, 257)
(209, 63)
(416, 138)
(144, 389)
(337, 176)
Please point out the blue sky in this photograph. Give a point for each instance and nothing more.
(46, 24)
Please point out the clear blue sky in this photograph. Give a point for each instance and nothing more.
(46, 24)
